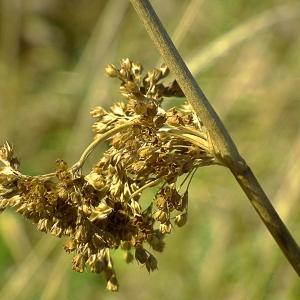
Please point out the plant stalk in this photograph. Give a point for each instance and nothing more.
(223, 145)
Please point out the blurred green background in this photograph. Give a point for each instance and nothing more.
(246, 57)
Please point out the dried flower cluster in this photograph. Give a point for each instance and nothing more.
(148, 146)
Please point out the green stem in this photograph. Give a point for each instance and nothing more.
(222, 143)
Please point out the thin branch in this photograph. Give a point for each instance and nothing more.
(188, 136)
(223, 145)
(149, 184)
(86, 153)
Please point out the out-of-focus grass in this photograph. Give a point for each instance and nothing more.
(52, 55)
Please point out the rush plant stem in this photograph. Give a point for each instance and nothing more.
(223, 144)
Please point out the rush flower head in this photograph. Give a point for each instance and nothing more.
(148, 146)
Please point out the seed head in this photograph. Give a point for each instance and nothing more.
(147, 146)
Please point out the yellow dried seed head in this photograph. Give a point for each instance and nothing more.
(111, 71)
(99, 210)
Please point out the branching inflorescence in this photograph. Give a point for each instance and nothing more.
(148, 147)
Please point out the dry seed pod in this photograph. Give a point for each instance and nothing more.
(136, 69)
(151, 263)
(161, 202)
(164, 70)
(180, 220)
(111, 71)
(112, 284)
(156, 242)
(141, 255)
(160, 216)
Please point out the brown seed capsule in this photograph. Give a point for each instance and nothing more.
(159, 121)
(156, 242)
(164, 70)
(160, 216)
(151, 263)
(141, 255)
(112, 284)
(181, 219)
(161, 202)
